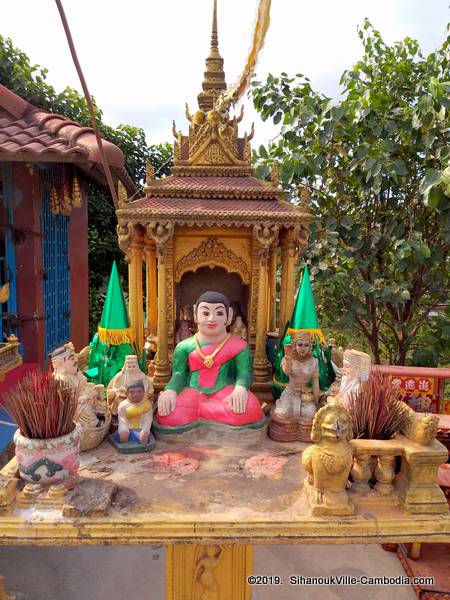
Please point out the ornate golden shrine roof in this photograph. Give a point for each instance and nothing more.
(202, 211)
(212, 181)
(244, 187)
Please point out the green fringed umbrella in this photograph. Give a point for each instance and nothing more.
(114, 338)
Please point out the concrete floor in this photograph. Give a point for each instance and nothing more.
(116, 573)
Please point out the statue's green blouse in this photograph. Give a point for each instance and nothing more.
(234, 371)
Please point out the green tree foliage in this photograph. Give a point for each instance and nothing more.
(29, 82)
(375, 163)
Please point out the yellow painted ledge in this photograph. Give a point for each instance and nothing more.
(47, 530)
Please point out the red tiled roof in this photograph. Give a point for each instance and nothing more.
(226, 187)
(207, 182)
(30, 134)
(169, 205)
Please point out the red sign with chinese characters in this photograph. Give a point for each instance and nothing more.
(420, 393)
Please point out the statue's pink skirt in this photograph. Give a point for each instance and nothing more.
(193, 405)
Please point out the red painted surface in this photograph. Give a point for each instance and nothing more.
(444, 479)
(422, 387)
(79, 282)
(175, 463)
(414, 371)
(15, 375)
(261, 465)
(30, 308)
(433, 562)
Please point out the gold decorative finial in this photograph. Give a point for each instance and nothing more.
(275, 174)
(76, 193)
(304, 196)
(122, 194)
(149, 173)
(214, 82)
(214, 33)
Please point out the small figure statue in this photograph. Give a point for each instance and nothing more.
(355, 370)
(239, 328)
(212, 373)
(135, 420)
(135, 413)
(65, 368)
(329, 461)
(100, 402)
(92, 411)
(333, 357)
(188, 315)
(150, 347)
(183, 332)
(85, 414)
(116, 391)
(300, 366)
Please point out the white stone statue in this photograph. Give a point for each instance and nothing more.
(116, 390)
(65, 368)
(239, 328)
(92, 412)
(355, 370)
(301, 367)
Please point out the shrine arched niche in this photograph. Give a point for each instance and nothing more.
(217, 279)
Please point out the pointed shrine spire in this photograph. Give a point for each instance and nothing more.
(214, 82)
(214, 33)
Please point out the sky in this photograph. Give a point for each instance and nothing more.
(143, 59)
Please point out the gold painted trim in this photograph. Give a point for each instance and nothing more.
(396, 527)
(116, 336)
(312, 332)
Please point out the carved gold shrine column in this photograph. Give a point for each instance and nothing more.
(272, 289)
(214, 572)
(161, 233)
(135, 291)
(289, 257)
(151, 289)
(265, 236)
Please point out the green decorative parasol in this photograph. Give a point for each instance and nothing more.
(114, 325)
(115, 337)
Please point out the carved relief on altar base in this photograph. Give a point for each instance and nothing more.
(213, 572)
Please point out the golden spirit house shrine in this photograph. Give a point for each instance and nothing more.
(211, 225)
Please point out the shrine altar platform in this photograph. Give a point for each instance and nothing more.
(208, 505)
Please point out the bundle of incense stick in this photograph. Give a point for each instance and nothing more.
(376, 408)
(42, 407)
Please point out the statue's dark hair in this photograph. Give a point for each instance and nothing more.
(213, 298)
(136, 383)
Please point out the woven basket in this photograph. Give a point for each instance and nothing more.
(91, 437)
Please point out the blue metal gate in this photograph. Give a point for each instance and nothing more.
(56, 280)
(8, 309)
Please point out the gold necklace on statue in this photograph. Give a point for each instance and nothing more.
(208, 359)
